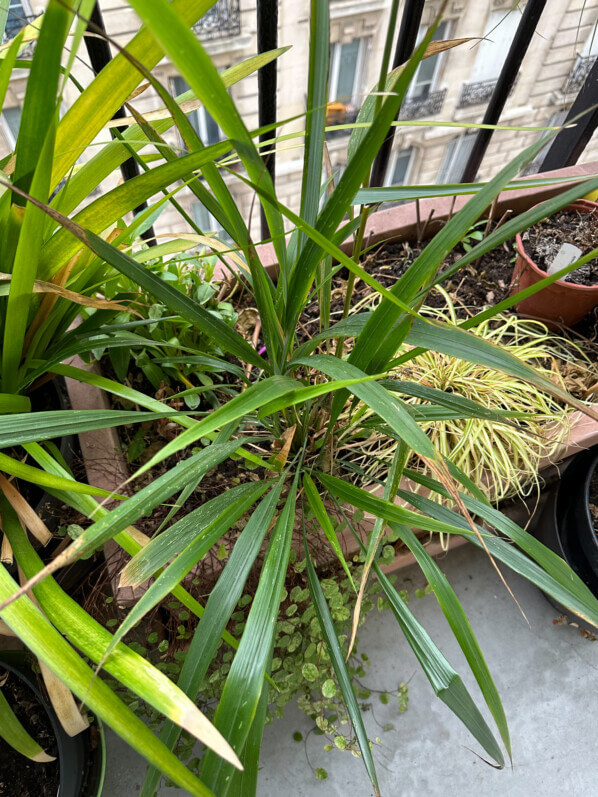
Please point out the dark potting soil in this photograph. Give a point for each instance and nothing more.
(594, 500)
(20, 777)
(543, 241)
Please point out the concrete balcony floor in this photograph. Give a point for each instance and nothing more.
(547, 676)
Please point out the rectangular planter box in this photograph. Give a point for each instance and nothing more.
(101, 450)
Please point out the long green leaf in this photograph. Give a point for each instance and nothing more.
(446, 683)
(130, 510)
(459, 623)
(101, 165)
(457, 342)
(16, 736)
(133, 670)
(407, 193)
(41, 96)
(221, 604)
(175, 539)
(239, 502)
(319, 510)
(110, 89)
(234, 717)
(315, 119)
(537, 564)
(333, 212)
(187, 53)
(36, 476)
(25, 427)
(49, 646)
(392, 410)
(340, 668)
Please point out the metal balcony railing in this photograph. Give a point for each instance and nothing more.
(476, 93)
(578, 74)
(221, 21)
(418, 107)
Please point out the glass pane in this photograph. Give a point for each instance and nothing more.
(399, 173)
(422, 83)
(211, 133)
(17, 17)
(201, 216)
(13, 120)
(456, 156)
(492, 51)
(346, 71)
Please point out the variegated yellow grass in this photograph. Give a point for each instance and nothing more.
(503, 459)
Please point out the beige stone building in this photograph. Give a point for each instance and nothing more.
(452, 87)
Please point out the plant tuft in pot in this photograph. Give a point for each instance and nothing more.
(567, 300)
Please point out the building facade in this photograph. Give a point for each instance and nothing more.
(454, 86)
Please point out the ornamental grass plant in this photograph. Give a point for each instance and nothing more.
(285, 416)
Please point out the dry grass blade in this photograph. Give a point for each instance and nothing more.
(6, 556)
(26, 514)
(39, 286)
(61, 697)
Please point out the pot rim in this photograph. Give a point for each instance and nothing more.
(529, 263)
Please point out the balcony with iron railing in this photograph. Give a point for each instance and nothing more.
(221, 21)
(338, 113)
(476, 93)
(419, 107)
(578, 74)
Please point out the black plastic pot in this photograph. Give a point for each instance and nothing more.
(82, 758)
(566, 526)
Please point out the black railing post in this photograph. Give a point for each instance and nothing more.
(406, 40)
(267, 39)
(99, 53)
(570, 142)
(504, 84)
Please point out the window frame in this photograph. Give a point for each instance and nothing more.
(457, 143)
(27, 12)
(335, 59)
(396, 154)
(438, 62)
(7, 130)
(484, 54)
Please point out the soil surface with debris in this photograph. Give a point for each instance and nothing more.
(18, 775)
(543, 241)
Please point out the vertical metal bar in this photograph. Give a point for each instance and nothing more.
(267, 39)
(410, 22)
(504, 84)
(99, 53)
(569, 143)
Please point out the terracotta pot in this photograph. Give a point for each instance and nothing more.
(562, 302)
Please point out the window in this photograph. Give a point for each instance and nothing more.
(590, 48)
(11, 120)
(203, 124)
(455, 159)
(493, 49)
(346, 71)
(18, 13)
(400, 166)
(555, 120)
(207, 223)
(426, 75)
